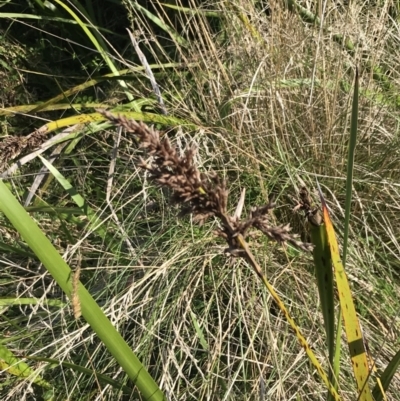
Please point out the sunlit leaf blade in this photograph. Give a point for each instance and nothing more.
(93, 120)
(351, 323)
(97, 117)
(386, 377)
(378, 379)
(10, 364)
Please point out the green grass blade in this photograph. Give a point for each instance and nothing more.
(92, 313)
(338, 350)
(31, 301)
(386, 377)
(97, 117)
(48, 18)
(33, 108)
(160, 23)
(350, 166)
(324, 276)
(95, 222)
(199, 331)
(88, 372)
(192, 11)
(16, 250)
(99, 48)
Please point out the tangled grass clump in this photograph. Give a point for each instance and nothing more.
(202, 195)
(207, 196)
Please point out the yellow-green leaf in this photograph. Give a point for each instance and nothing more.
(97, 117)
(11, 364)
(351, 323)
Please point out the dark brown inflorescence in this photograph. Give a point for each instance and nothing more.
(203, 195)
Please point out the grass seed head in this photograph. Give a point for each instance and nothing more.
(202, 195)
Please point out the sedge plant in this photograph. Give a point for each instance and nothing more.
(203, 62)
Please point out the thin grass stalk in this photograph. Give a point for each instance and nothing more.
(350, 166)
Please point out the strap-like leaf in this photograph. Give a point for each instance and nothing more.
(351, 323)
(386, 377)
(324, 276)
